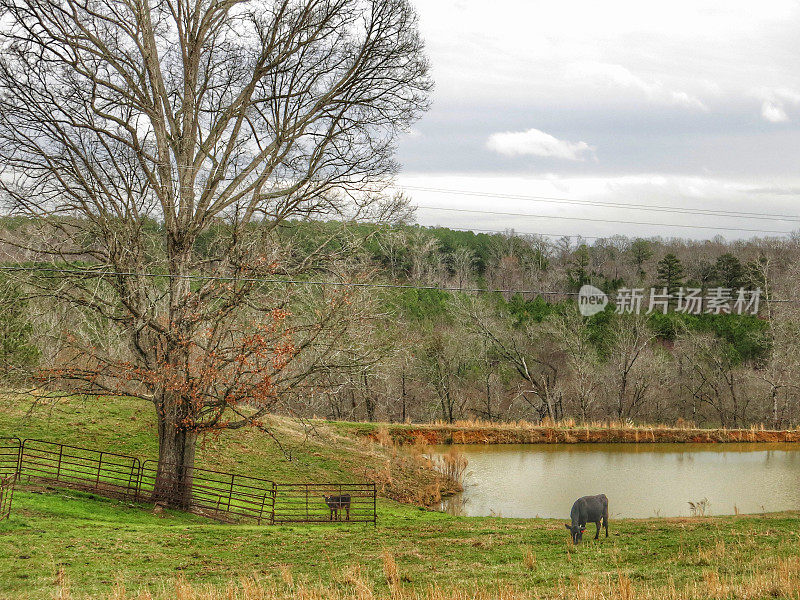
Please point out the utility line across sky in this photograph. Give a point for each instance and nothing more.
(596, 220)
(610, 204)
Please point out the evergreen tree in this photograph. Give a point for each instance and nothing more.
(730, 272)
(578, 270)
(670, 273)
(706, 273)
(641, 252)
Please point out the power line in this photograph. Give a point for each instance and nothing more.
(104, 273)
(655, 207)
(596, 220)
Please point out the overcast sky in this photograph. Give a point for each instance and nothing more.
(693, 104)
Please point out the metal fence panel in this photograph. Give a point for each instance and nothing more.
(72, 466)
(216, 494)
(325, 503)
(10, 448)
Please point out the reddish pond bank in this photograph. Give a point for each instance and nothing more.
(434, 434)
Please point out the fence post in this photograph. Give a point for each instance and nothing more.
(140, 474)
(60, 455)
(261, 510)
(230, 493)
(10, 497)
(18, 471)
(99, 465)
(274, 503)
(6, 496)
(307, 515)
(130, 489)
(374, 506)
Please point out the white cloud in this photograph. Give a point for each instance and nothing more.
(774, 102)
(687, 100)
(773, 112)
(659, 88)
(537, 143)
(618, 76)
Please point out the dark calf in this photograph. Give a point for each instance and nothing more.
(589, 509)
(337, 503)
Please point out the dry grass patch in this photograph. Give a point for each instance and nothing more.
(780, 579)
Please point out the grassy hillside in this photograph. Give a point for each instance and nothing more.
(299, 451)
(66, 544)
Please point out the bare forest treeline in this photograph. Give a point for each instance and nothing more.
(421, 355)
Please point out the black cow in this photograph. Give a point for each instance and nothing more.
(337, 503)
(589, 509)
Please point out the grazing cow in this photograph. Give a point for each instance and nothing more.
(337, 503)
(589, 509)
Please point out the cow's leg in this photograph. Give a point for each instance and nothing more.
(605, 524)
(597, 533)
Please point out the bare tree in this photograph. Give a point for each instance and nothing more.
(443, 365)
(574, 338)
(630, 378)
(463, 263)
(425, 264)
(779, 368)
(202, 117)
(531, 351)
(717, 380)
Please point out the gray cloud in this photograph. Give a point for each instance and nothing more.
(667, 95)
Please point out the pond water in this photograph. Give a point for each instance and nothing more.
(640, 480)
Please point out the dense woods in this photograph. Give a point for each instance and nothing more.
(420, 354)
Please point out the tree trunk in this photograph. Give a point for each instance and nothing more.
(369, 402)
(775, 419)
(176, 450)
(488, 398)
(403, 396)
(176, 414)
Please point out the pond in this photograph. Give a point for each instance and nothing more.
(640, 480)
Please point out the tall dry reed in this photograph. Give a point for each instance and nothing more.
(453, 465)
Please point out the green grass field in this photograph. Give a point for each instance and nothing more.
(67, 544)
